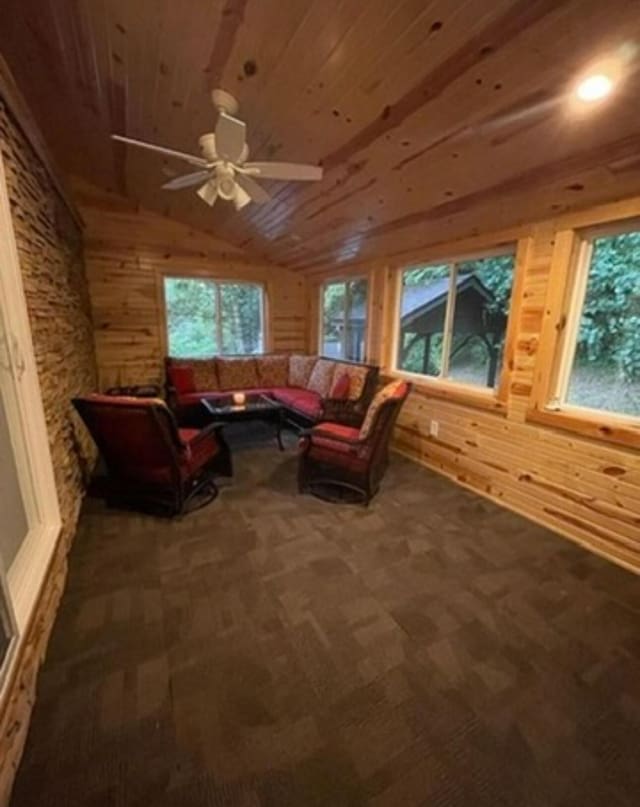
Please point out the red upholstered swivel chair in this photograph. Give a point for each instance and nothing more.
(151, 463)
(341, 463)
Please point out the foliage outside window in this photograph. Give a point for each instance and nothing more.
(207, 317)
(453, 319)
(604, 350)
(344, 319)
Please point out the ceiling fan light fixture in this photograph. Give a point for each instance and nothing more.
(226, 186)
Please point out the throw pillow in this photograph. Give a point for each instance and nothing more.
(300, 368)
(340, 389)
(238, 374)
(321, 377)
(273, 371)
(182, 379)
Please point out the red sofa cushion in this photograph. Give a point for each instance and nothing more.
(352, 455)
(340, 388)
(182, 378)
(326, 430)
(304, 401)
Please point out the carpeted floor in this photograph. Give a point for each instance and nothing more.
(276, 651)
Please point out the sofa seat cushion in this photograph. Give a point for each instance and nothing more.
(304, 401)
(321, 378)
(328, 446)
(300, 368)
(273, 371)
(238, 373)
(326, 430)
(200, 448)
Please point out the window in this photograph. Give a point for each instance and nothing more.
(207, 317)
(453, 319)
(602, 345)
(344, 319)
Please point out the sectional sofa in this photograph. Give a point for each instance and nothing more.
(311, 388)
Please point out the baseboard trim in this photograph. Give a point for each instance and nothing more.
(520, 511)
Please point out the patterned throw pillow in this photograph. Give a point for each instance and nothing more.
(392, 389)
(321, 377)
(300, 368)
(340, 388)
(205, 377)
(273, 371)
(238, 373)
(357, 377)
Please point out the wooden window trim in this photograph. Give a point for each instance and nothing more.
(457, 392)
(568, 277)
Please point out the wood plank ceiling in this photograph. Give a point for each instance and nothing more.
(433, 119)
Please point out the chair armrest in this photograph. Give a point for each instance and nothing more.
(210, 428)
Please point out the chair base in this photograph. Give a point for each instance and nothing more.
(337, 492)
(164, 503)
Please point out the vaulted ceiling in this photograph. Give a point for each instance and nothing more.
(433, 119)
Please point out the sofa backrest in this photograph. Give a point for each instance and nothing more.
(315, 373)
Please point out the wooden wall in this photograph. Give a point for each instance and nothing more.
(586, 489)
(127, 251)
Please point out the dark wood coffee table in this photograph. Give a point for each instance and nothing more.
(255, 407)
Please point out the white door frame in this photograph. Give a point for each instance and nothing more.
(26, 414)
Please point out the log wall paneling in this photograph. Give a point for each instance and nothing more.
(128, 250)
(586, 489)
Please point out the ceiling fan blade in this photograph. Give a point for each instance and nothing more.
(256, 192)
(179, 155)
(186, 181)
(230, 137)
(286, 171)
(209, 192)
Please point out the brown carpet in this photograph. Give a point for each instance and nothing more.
(273, 651)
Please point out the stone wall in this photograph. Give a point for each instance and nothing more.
(49, 244)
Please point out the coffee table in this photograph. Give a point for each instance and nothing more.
(255, 407)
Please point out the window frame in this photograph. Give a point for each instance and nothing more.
(568, 279)
(346, 279)
(492, 399)
(218, 280)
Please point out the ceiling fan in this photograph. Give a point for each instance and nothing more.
(223, 168)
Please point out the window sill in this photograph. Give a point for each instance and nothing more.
(618, 429)
(452, 391)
